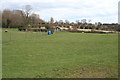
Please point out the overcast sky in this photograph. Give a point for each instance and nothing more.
(105, 11)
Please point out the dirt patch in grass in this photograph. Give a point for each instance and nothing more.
(90, 72)
(85, 72)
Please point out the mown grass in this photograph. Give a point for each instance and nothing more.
(64, 54)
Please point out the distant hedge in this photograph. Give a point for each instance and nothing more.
(31, 29)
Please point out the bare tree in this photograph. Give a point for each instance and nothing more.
(26, 13)
(83, 20)
(61, 21)
(89, 20)
(77, 21)
(66, 21)
(34, 19)
(51, 20)
(16, 19)
(6, 16)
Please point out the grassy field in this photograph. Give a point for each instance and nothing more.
(63, 54)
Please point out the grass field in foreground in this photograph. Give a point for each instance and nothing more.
(64, 55)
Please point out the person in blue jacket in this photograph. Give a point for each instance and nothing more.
(49, 32)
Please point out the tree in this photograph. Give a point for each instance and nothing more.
(77, 21)
(66, 21)
(6, 17)
(83, 21)
(34, 19)
(8, 23)
(99, 25)
(26, 13)
(61, 21)
(16, 19)
(51, 20)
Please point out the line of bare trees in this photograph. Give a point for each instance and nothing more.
(16, 18)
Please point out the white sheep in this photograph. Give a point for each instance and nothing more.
(6, 30)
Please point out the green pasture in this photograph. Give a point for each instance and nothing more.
(61, 55)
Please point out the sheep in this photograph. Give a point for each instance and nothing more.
(6, 30)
